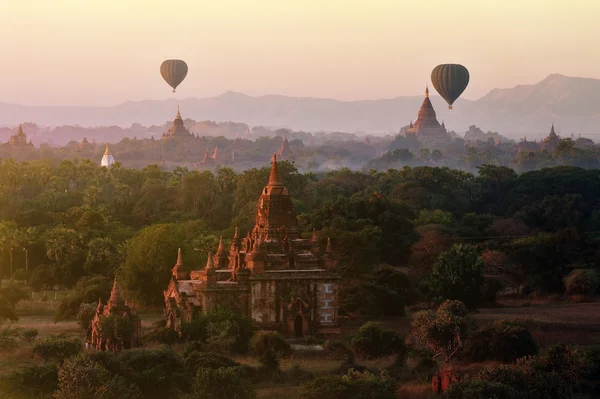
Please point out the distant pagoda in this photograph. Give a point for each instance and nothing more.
(107, 159)
(427, 125)
(177, 130)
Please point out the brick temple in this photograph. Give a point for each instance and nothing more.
(274, 277)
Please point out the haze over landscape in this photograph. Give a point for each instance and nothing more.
(66, 54)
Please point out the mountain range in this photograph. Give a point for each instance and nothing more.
(571, 103)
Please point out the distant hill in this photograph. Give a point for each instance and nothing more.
(573, 104)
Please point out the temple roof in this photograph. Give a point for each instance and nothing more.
(115, 295)
(426, 115)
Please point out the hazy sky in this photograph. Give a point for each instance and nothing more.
(103, 52)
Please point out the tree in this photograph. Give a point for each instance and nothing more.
(458, 275)
(81, 377)
(442, 332)
(222, 383)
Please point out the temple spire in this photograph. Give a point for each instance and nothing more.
(235, 235)
(427, 91)
(209, 263)
(552, 132)
(179, 262)
(115, 295)
(328, 247)
(274, 177)
(107, 151)
(178, 115)
(221, 248)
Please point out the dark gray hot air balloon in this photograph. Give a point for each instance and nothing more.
(173, 72)
(450, 80)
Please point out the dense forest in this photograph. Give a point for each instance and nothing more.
(76, 219)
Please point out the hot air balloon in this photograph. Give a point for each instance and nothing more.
(450, 80)
(173, 72)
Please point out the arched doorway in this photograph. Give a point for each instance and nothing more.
(299, 327)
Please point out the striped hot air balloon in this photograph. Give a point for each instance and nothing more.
(173, 72)
(450, 80)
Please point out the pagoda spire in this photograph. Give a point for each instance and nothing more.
(552, 132)
(221, 248)
(209, 263)
(328, 247)
(179, 262)
(235, 235)
(107, 151)
(274, 177)
(426, 91)
(178, 115)
(115, 295)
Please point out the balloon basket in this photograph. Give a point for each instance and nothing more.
(173, 90)
(449, 106)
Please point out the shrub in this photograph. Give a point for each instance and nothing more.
(590, 375)
(13, 294)
(80, 377)
(584, 282)
(40, 278)
(30, 382)
(196, 360)
(222, 328)
(57, 348)
(502, 341)
(8, 336)
(87, 290)
(354, 385)
(29, 335)
(373, 341)
(222, 383)
(7, 311)
(269, 347)
(164, 336)
(159, 372)
(441, 332)
(481, 390)
(85, 315)
(370, 300)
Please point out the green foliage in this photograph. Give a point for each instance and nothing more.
(13, 294)
(340, 351)
(354, 385)
(442, 332)
(196, 360)
(436, 216)
(458, 275)
(7, 311)
(30, 382)
(372, 341)
(502, 341)
(151, 254)
(86, 313)
(269, 347)
(57, 348)
(481, 390)
(117, 330)
(40, 278)
(221, 383)
(29, 335)
(8, 336)
(584, 282)
(87, 290)
(20, 275)
(222, 327)
(81, 377)
(158, 372)
(163, 336)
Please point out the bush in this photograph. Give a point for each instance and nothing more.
(373, 341)
(87, 290)
(40, 278)
(269, 347)
(13, 294)
(163, 336)
(584, 282)
(57, 348)
(502, 341)
(196, 360)
(81, 377)
(29, 335)
(20, 275)
(340, 351)
(85, 315)
(8, 336)
(159, 372)
(354, 385)
(222, 383)
(481, 390)
(222, 328)
(370, 300)
(30, 382)
(590, 376)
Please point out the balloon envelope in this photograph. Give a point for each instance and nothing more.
(173, 72)
(450, 80)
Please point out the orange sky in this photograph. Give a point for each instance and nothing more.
(103, 52)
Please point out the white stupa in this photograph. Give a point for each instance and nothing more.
(107, 159)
